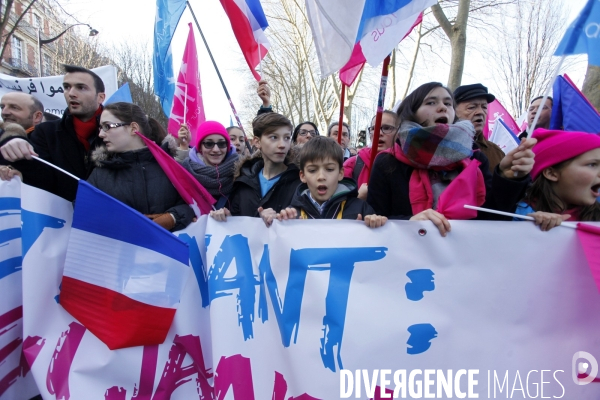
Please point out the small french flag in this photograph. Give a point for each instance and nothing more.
(123, 274)
(249, 22)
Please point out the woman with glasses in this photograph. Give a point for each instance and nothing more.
(304, 132)
(357, 167)
(211, 161)
(127, 170)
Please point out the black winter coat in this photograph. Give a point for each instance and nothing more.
(246, 195)
(389, 188)
(136, 179)
(57, 143)
(346, 191)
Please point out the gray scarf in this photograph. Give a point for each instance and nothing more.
(218, 181)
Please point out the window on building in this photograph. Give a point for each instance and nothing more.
(47, 68)
(37, 21)
(17, 50)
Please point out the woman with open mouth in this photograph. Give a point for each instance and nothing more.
(431, 172)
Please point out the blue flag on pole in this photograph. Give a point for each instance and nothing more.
(571, 111)
(122, 94)
(582, 36)
(168, 13)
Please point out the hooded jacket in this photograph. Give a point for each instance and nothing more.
(246, 196)
(136, 179)
(346, 191)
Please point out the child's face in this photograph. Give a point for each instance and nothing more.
(437, 108)
(275, 145)
(213, 149)
(238, 140)
(322, 177)
(578, 182)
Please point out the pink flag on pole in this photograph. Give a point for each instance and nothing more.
(187, 101)
(497, 111)
(188, 187)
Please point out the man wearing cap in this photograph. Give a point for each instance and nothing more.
(472, 104)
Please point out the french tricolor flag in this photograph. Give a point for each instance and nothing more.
(249, 22)
(123, 274)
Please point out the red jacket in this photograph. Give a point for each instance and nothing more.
(349, 164)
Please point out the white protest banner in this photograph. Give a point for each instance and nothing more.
(16, 382)
(279, 312)
(49, 90)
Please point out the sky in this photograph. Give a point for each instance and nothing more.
(133, 20)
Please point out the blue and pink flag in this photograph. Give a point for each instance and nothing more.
(582, 37)
(124, 274)
(497, 111)
(571, 111)
(348, 33)
(188, 107)
(249, 22)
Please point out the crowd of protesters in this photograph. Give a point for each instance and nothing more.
(432, 159)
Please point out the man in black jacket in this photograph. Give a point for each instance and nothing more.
(65, 143)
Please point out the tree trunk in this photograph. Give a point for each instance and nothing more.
(457, 62)
(591, 85)
(457, 33)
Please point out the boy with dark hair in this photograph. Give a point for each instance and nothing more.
(325, 193)
(264, 182)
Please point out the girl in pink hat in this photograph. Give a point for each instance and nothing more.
(566, 179)
(212, 160)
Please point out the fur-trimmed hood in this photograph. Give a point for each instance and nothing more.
(291, 158)
(11, 129)
(101, 154)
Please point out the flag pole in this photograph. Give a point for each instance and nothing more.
(380, 106)
(237, 118)
(546, 95)
(185, 105)
(507, 214)
(340, 130)
(55, 167)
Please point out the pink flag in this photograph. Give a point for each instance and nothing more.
(589, 236)
(192, 192)
(187, 101)
(497, 111)
(467, 188)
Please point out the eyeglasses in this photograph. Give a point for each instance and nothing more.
(387, 129)
(303, 132)
(208, 145)
(108, 126)
(344, 134)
